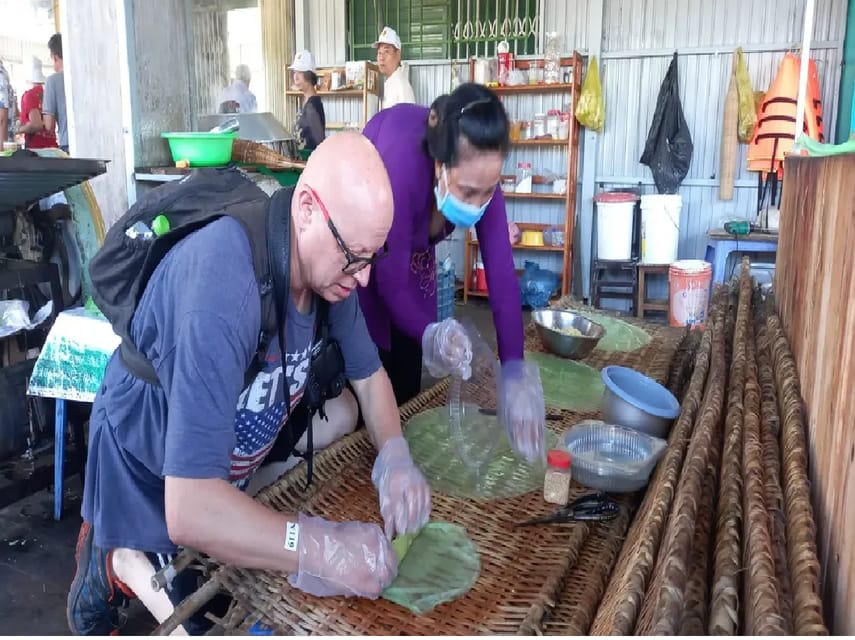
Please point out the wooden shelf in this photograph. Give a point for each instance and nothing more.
(545, 142)
(370, 87)
(345, 93)
(566, 151)
(526, 247)
(533, 88)
(513, 195)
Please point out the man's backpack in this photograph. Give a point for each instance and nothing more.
(122, 267)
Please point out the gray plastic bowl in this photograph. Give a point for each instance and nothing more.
(634, 400)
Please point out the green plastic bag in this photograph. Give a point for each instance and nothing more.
(591, 109)
(747, 108)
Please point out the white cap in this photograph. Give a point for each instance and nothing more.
(36, 75)
(389, 36)
(303, 61)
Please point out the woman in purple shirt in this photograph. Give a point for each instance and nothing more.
(444, 164)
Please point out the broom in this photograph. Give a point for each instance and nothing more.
(729, 141)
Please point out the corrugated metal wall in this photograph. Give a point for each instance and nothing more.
(211, 58)
(637, 40)
(326, 25)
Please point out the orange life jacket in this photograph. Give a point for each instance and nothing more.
(774, 136)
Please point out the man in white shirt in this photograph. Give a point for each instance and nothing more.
(237, 98)
(397, 87)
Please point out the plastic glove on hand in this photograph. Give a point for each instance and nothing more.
(447, 349)
(522, 410)
(404, 492)
(343, 559)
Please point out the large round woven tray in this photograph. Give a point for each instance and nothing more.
(527, 573)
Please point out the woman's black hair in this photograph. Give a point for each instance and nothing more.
(311, 77)
(472, 112)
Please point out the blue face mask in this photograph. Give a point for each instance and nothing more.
(457, 212)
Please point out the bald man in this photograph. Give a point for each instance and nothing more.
(166, 464)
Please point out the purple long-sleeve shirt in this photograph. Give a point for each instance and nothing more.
(402, 289)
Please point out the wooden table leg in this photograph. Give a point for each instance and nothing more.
(639, 308)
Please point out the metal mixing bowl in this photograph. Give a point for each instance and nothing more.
(549, 322)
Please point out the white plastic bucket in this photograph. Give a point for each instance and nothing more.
(614, 230)
(660, 228)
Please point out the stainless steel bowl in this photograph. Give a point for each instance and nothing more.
(549, 322)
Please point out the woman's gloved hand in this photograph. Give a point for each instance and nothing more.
(447, 349)
(522, 409)
(343, 559)
(404, 492)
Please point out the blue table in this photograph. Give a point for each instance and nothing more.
(70, 367)
(721, 244)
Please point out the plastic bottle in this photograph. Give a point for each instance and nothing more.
(556, 482)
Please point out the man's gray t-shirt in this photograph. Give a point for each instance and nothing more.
(198, 322)
(54, 104)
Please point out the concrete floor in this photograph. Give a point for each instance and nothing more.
(37, 553)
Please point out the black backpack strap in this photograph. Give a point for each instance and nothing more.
(279, 257)
(279, 253)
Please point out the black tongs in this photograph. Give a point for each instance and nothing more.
(594, 507)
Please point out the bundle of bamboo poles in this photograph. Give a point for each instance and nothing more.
(725, 540)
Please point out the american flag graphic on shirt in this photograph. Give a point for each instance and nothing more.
(261, 410)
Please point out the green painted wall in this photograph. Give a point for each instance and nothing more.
(846, 117)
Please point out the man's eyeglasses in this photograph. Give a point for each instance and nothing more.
(354, 263)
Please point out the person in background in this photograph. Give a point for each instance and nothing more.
(311, 121)
(53, 107)
(444, 164)
(7, 107)
(397, 87)
(32, 123)
(237, 98)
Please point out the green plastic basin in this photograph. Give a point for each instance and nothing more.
(200, 148)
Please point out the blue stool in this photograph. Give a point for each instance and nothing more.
(718, 250)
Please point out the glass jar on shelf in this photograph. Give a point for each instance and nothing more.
(552, 58)
(525, 130)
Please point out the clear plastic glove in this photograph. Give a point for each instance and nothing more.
(522, 410)
(404, 492)
(343, 559)
(446, 349)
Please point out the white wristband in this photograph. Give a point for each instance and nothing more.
(292, 536)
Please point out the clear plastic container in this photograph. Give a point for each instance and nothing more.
(524, 177)
(563, 126)
(472, 426)
(552, 122)
(538, 126)
(535, 72)
(608, 457)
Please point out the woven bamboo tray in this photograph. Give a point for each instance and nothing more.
(526, 573)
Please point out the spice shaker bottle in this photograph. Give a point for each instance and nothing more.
(556, 481)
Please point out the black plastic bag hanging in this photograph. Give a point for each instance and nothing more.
(668, 151)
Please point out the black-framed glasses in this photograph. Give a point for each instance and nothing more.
(354, 263)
